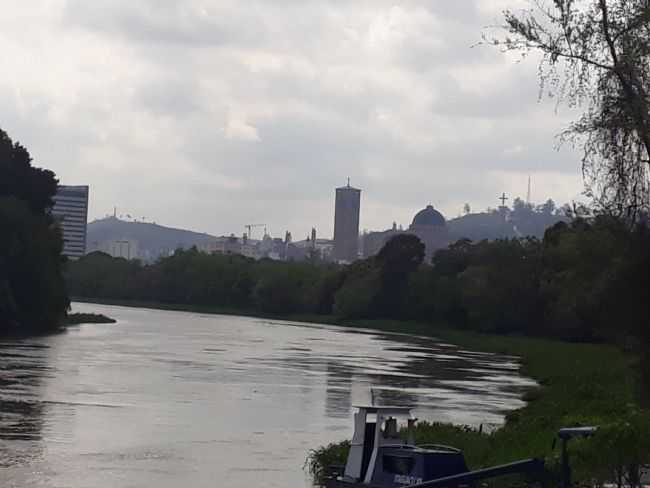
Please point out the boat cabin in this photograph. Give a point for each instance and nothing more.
(380, 457)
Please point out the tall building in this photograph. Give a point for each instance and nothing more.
(71, 210)
(346, 223)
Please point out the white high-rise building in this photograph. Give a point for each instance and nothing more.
(71, 211)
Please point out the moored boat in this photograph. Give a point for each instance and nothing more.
(379, 457)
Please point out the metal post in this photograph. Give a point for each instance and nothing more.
(566, 469)
(565, 436)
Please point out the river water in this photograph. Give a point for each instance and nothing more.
(180, 400)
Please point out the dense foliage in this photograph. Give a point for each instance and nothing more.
(88, 318)
(577, 283)
(595, 54)
(32, 290)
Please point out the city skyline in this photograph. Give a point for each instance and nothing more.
(177, 120)
(300, 236)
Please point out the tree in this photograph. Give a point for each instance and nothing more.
(357, 296)
(518, 205)
(547, 208)
(18, 178)
(596, 55)
(401, 255)
(32, 291)
(499, 290)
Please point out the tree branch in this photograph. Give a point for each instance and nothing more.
(636, 100)
(584, 59)
(561, 54)
(606, 33)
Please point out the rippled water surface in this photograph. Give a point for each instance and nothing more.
(174, 399)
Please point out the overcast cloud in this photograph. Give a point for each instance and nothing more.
(211, 114)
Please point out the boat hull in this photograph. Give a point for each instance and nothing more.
(348, 484)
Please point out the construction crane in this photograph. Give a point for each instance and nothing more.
(250, 227)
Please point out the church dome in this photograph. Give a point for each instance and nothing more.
(430, 217)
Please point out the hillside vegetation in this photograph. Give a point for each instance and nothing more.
(153, 240)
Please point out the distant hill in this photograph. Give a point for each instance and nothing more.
(522, 220)
(480, 226)
(152, 240)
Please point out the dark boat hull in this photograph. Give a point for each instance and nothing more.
(531, 467)
(347, 484)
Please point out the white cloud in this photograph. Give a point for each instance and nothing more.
(240, 129)
(212, 113)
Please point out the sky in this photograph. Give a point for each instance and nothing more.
(213, 114)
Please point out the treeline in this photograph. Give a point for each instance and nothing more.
(32, 289)
(580, 282)
(190, 277)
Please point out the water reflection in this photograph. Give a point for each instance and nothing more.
(440, 380)
(338, 391)
(166, 398)
(22, 368)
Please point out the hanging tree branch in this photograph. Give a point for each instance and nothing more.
(596, 55)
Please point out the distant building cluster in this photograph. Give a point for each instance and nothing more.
(71, 212)
(272, 248)
(347, 246)
(148, 241)
(119, 248)
(428, 225)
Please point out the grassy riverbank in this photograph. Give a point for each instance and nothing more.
(87, 318)
(580, 384)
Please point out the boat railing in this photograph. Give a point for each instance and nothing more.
(400, 446)
(437, 447)
(440, 447)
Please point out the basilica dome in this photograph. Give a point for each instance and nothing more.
(429, 217)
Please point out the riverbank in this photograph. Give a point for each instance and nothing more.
(580, 384)
(87, 318)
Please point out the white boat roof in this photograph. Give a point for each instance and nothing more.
(385, 410)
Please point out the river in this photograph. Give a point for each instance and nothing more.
(177, 399)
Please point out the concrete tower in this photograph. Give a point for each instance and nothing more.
(346, 223)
